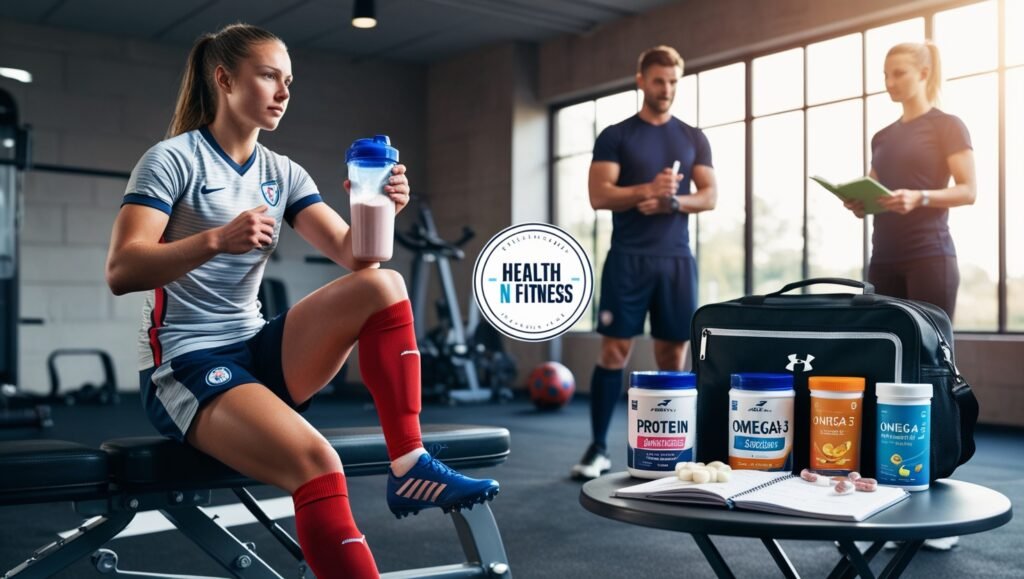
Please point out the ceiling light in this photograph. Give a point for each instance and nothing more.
(364, 14)
(16, 74)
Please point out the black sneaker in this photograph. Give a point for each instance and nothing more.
(593, 464)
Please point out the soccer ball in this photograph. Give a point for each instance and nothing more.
(551, 386)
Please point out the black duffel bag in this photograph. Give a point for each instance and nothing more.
(881, 338)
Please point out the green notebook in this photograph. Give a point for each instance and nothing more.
(865, 189)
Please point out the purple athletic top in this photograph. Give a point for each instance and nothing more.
(914, 155)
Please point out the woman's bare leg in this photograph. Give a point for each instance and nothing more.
(253, 431)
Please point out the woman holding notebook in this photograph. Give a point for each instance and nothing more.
(913, 255)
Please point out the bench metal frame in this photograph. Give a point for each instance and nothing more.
(477, 531)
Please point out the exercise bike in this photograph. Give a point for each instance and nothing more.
(460, 363)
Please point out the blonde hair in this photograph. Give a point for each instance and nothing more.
(926, 55)
(658, 56)
(197, 98)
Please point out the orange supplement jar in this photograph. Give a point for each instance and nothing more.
(836, 403)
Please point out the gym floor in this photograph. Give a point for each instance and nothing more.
(545, 530)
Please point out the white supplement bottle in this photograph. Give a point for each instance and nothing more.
(761, 421)
(903, 435)
(662, 422)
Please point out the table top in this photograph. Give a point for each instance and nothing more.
(949, 507)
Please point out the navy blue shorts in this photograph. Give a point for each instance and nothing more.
(173, 392)
(632, 285)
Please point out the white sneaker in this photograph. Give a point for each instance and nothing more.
(593, 464)
(941, 544)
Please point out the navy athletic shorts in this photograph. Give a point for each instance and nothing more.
(173, 392)
(632, 285)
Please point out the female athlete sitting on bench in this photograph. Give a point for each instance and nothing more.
(200, 217)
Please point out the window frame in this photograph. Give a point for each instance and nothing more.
(928, 15)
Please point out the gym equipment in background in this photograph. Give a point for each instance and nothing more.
(18, 409)
(460, 363)
(88, 393)
(551, 386)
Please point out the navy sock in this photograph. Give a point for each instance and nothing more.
(605, 391)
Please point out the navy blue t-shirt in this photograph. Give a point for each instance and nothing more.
(643, 150)
(913, 155)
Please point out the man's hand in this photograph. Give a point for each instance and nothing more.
(665, 184)
(656, 205)
(250, 230)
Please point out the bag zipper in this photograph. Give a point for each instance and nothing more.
(896, 342)
(947, 351)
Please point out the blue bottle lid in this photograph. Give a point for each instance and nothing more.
(761, 381)
(663, 380)
(371, 152)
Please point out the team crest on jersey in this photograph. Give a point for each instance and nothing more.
(218, 376)
(270, 192)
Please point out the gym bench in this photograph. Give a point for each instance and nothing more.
(128, 475)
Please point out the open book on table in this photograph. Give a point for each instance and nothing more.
(773, 492)
(865, 189)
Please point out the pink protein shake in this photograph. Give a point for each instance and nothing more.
(373, 213)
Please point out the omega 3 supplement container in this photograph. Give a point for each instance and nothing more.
(761, 421)
(662, 422)
(903, 437)
(836, 407)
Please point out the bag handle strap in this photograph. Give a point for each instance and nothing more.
(867, 287)
(867, 298)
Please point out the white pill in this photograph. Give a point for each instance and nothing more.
(701, 476)
(716, 464)
(724, 475)
(685, 474)
(682, 465)
(698, 464)
(843, 487)
(724, 468)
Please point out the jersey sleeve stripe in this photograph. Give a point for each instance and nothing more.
(295, 208)
(136, 199)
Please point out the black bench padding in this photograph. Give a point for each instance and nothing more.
(154, 463)
(37, 471)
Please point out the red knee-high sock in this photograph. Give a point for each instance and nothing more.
(390, 364)
(330, 541)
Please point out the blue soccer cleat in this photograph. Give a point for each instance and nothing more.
(431, 483)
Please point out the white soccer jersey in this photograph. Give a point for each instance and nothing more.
(200, 187)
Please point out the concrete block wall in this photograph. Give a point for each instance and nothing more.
(99, 102)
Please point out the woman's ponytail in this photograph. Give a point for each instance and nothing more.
(196, 105)
(934, 82)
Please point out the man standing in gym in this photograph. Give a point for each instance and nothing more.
(641, 171)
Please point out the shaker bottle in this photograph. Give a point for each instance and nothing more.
(373, 212)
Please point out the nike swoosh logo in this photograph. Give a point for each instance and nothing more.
(204, 190)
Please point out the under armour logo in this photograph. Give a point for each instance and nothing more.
(793, 361)
(665, 402)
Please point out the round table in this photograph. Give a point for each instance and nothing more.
(949, 508)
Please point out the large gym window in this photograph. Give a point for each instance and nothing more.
(812, 110)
